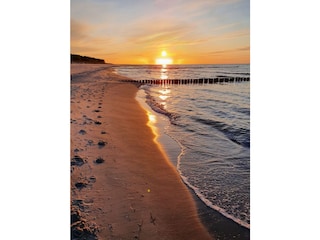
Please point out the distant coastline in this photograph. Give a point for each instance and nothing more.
(84, 59)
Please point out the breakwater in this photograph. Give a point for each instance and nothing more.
(191, 81)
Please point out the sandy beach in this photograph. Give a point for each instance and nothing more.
(122, 185)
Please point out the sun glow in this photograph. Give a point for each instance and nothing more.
(164, 60)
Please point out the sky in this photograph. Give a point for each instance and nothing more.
(137, 32)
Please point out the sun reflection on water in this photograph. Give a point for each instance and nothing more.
(152, 118)
(164, 72)
(164, 94)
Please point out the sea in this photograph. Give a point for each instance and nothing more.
(204, 129)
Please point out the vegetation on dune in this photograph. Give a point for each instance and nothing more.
(84, 59)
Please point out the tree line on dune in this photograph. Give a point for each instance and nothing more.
(84, 59)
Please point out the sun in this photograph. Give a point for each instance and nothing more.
(164, 60)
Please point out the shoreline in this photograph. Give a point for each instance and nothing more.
(217, 224)
(122, 185)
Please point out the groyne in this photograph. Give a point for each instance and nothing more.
(192, 81)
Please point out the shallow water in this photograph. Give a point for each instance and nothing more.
(211, 125)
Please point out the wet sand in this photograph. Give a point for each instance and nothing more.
(122, 185)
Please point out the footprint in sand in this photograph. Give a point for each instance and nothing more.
(81, 228)
(77, 161)
(82, 132)
(90, 142)
(92, 179)
(99, 160)
(101, 143)
(84, 182)
(80, 185)
(78, 203)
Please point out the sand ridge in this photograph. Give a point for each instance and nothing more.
(122, 186)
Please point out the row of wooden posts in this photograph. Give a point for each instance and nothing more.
(193, 81)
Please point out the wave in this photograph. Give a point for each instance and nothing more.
(197, 191)
(158, 107)
(240, 136)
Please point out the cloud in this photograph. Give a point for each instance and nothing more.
(79, 30)
(167, 31)
(191, 8)
(138, 30)
(84, 42)
(158, 37)
(221, 52)
(233, 35)
(190, 42)
(244, 48)
(90, 11)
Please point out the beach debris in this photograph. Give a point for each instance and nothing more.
(96, 110)
(78, 161)
(90, 142)
(99, 160)
(103, 132)
(97, 122)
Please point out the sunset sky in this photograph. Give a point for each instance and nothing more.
(137, 32)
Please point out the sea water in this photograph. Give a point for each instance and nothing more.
(210, 124)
